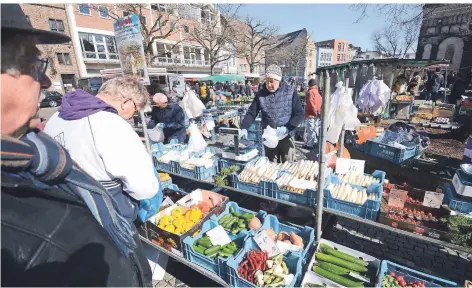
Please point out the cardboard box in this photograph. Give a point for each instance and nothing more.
(174, 242)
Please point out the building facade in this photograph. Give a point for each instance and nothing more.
(324, 57)
(62, 69)
(340, 49)
(446, 35)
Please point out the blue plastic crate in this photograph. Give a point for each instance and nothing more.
(380, 175)
(166, 184)
(391, 153)
(364, 147)
(246, 186)
(368, 210)
(217, 265)
(199, 173)
(261, 214)
(412, 275)
(224, 163)
(306, 233)
(166, 167)
(455, 201)
(261, 149)
(159, 149)
(271, 189)
(293, 261)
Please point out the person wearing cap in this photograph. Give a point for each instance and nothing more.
(312, 114)
(281, 109)
(60, 227)
(170, 117)
(174, 96)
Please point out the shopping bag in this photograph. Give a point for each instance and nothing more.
(156, 134)
(196, 142)
(270, 138)
(193, 107)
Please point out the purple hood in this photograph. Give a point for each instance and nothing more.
(80, 104)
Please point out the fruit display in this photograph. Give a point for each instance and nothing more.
(236, 222)
(258, 269)
(359, 179)
(404, 98)
(413, 216)
(340, 267)
(164, 177)
(205, 247)
(392, 280)
(180, 220)
(347, 193)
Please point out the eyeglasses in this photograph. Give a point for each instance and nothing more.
(39, 68)
(134, 103)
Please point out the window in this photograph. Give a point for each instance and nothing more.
(159, 7)
(56, 25)
(63, 58)
(96, 46)
(339, 46)
(172, 26)
(84, 9)
(310, 53)
(186, 29)
(431, 31)
(339, 57)
(103, 11)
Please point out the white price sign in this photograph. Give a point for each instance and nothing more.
(218, 236)
(433, 199)
(266, 244)
(344, 166)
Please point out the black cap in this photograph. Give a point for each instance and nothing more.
(14, 22)
(312, 82)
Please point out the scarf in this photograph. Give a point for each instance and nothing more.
(38, 157)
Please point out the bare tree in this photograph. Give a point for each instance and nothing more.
(396, 41)
(253, 38)
(397, 14)
(215, 32)
(158, 29)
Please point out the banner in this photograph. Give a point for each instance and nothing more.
(177, 80)
(129, 42)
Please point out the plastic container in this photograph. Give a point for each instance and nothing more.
(391, 153)
(412, 275)
(217, 265)
(380, 175)
(368, 210)
(361, 147)
(307, 233)
(261, 214)
(166, 184)
(246, 186)
(271, 189)
(455, 201)
(293, 261)
(224, 163)
(199, 172)
(159, 149)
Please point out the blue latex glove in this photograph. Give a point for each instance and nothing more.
(161, 125)
(151, 124)
(170, 125)
(243, 134)
(282, 132)
(150, 207)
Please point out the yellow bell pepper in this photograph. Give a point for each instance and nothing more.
(166, 220)
(170, 228)
(188, 225)
(176, 212)
(195, 215)
(179, 222)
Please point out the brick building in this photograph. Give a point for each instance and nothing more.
(446, 34)
(62, 70)
(340, 49)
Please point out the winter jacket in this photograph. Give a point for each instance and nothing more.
(313, 102)
(435, 80)
(197, 89)
(242, 90)
(173, 117)
(248, 90)
(50, 236)
(458, 89)
(281, 108)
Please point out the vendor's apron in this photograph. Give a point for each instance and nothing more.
(127, 206)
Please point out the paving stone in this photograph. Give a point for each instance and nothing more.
(172, 281)
(168, 276)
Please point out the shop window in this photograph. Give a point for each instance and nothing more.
(103, 11)
(96, 46)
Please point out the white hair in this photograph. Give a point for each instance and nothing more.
(159, 98)
(126, 88)
(16, 51)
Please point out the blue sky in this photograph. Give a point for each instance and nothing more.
(323, 21)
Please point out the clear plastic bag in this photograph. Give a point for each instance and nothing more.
(193, 107)
(196, 142)
(270, 137)
(156, 134)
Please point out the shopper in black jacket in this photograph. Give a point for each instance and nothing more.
(457, 90)
(59, 226)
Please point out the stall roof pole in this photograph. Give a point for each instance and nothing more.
(321, 156)
(146, 135)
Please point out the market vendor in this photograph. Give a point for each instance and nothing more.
(170, 117)
(280, 108)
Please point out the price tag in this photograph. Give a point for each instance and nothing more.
(218, 236)
(433, 199)
(266, 243)
(191, 199)
(360, 277)
(344, 165)
(397, 198)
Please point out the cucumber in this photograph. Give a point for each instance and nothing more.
(337, 278)
(224, 254)
(198, 249)
(328, 250)
(340, 262)
(226, 221)
(235, 231)
(231, 209)
(227, 250)
(334, 268)
(231, 222)
(203, 240)
(223, 219)
(247, 216)
(212, 250)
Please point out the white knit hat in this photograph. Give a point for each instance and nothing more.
(274, 72)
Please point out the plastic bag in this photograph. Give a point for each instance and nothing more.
(193, 107)
(150, 207)
(374, 95)
(270, 138)
(156, 134)
(196, 142)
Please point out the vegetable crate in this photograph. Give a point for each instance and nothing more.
(315, 278)
(159, 149)
(412, 275)
(306, 233)
(224, 163)
(368, 210)
(360, 147)
(390, 153)
(455, 201)
(261, 214)
(246, 186)
(293, 261)
(166, 184)
(271, 189)
(217, 265)
(377, 174)
(167, 167)
(254, 132)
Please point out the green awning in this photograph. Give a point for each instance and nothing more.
(223, 78)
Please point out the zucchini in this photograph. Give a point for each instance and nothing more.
(340, 262)
(337, 278)
(198, 249)
(224, 254)
(328, 250)
(334, 268)
(204, 241)
(212, 250)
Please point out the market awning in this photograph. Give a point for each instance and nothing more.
(194, 76)
(224, 78)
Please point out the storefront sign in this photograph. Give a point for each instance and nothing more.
(129, 41)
